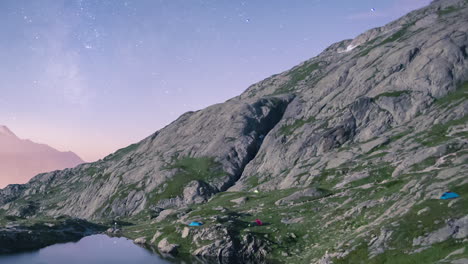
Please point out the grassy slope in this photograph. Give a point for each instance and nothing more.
(328, 223)
(187, 169)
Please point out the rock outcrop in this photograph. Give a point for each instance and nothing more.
(165, 247)
(23, 237)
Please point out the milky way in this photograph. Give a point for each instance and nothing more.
(94, 76)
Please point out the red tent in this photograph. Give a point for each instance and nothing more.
(258, 222)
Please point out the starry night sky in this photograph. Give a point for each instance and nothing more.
(95, 76)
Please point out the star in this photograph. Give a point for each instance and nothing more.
(27, 19)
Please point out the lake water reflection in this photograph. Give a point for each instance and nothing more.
(89, 250)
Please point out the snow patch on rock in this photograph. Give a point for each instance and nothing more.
(348, 48)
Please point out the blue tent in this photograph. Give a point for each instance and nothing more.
(449, 195)
(195, 224)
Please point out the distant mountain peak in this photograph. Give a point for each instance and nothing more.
(21, 159)
(5, 131)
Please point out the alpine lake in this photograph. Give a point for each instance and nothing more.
(95, 249)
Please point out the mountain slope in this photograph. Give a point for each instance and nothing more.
(20, 160)
(349, 152)
(390, 80)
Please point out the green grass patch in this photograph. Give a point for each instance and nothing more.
(188, 169)
(91, 171)
(400, 33)
(253, 181)
(289, 129)
(396, 36)
(330, 177)
(283, 237)
(400, 135)
(119, 154)
(297, 75)
(391, 184)
(431, 255)
(391, 94)
(100, 177)
(377, 174)
(413, 225)
(379, 148)
(447, 10)
(424, 164)
(437, 134)
(459, 95)
(303, 72)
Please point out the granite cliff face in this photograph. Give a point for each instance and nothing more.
(347, 152)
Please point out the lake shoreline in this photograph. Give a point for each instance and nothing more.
(92, 249)
(20, 237)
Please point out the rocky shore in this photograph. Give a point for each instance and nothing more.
(23, 235)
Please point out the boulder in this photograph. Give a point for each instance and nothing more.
(140, 240)
(185, 232)
(165, 247)
(455, 228)
(154, 211)
(197, 192)
(368, 146)
(155, 237)
(113, 231)
(164, 214)
(309, 193)
(240, 201)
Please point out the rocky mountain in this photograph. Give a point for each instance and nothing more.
(20, 159)
(344, 158)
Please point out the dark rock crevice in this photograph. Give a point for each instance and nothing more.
(263, 116)
(412, 54)
(463, 51)
(260, 130)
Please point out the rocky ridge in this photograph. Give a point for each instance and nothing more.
(343, 157)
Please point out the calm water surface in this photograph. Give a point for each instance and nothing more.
(89, 250)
